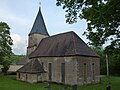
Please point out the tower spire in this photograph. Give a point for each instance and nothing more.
(39, 25)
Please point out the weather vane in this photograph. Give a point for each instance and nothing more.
(40, 4)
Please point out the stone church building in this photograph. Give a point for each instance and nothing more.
(62, 58)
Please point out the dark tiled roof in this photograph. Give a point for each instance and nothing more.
(39, 25)
(66, 44)
(32, 67)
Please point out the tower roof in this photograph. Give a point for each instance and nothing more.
(39, 25)
(65, 44)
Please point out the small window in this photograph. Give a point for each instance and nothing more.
(19, 75)
(63, 72)
(93, 71)
(26, 76)
(85, 72)
(50, 71)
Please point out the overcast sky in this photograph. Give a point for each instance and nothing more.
(20, 16)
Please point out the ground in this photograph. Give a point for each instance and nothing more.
(10, 83)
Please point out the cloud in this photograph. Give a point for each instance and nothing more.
(19, 44)
(8, 15)
(13, 18)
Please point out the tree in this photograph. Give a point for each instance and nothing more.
(103, 24)
(114, 59)
(5, 46)
(102, 16)
(100, 52)
(16, 58)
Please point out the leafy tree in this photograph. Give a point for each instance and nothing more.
(16, 58)
(103, 24)
(100, 52)
(102, 18)
(114, 59)
(5, 49)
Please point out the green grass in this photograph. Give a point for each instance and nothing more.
(10, 83)
(114, 83)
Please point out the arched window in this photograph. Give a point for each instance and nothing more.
(85, 72)
(50, 71)
(63, 72)
(93, 71)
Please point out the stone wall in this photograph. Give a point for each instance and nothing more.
(78, 70)
(21, 76)
(92, 66)
(70, 69)
(74, 69)
(34, 39)
(31, 78)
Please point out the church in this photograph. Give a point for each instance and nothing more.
(63, 58)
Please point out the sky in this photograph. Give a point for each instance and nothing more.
(20, 16)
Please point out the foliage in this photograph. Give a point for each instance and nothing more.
(113, 58)
(6, 64)
(102, 18)
(103, 24)
(100, 52)
(5, 49)
(10, 83)
(16, 58)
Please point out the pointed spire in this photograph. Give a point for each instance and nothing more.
(39, 25)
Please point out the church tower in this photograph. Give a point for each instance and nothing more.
(37, 33)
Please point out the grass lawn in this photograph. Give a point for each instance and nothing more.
(10, 83)
(115, 84)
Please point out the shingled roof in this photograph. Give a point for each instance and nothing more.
(32, 67)
(39, 25)
(65, 44)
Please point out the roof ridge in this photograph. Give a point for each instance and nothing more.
(59, 34)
